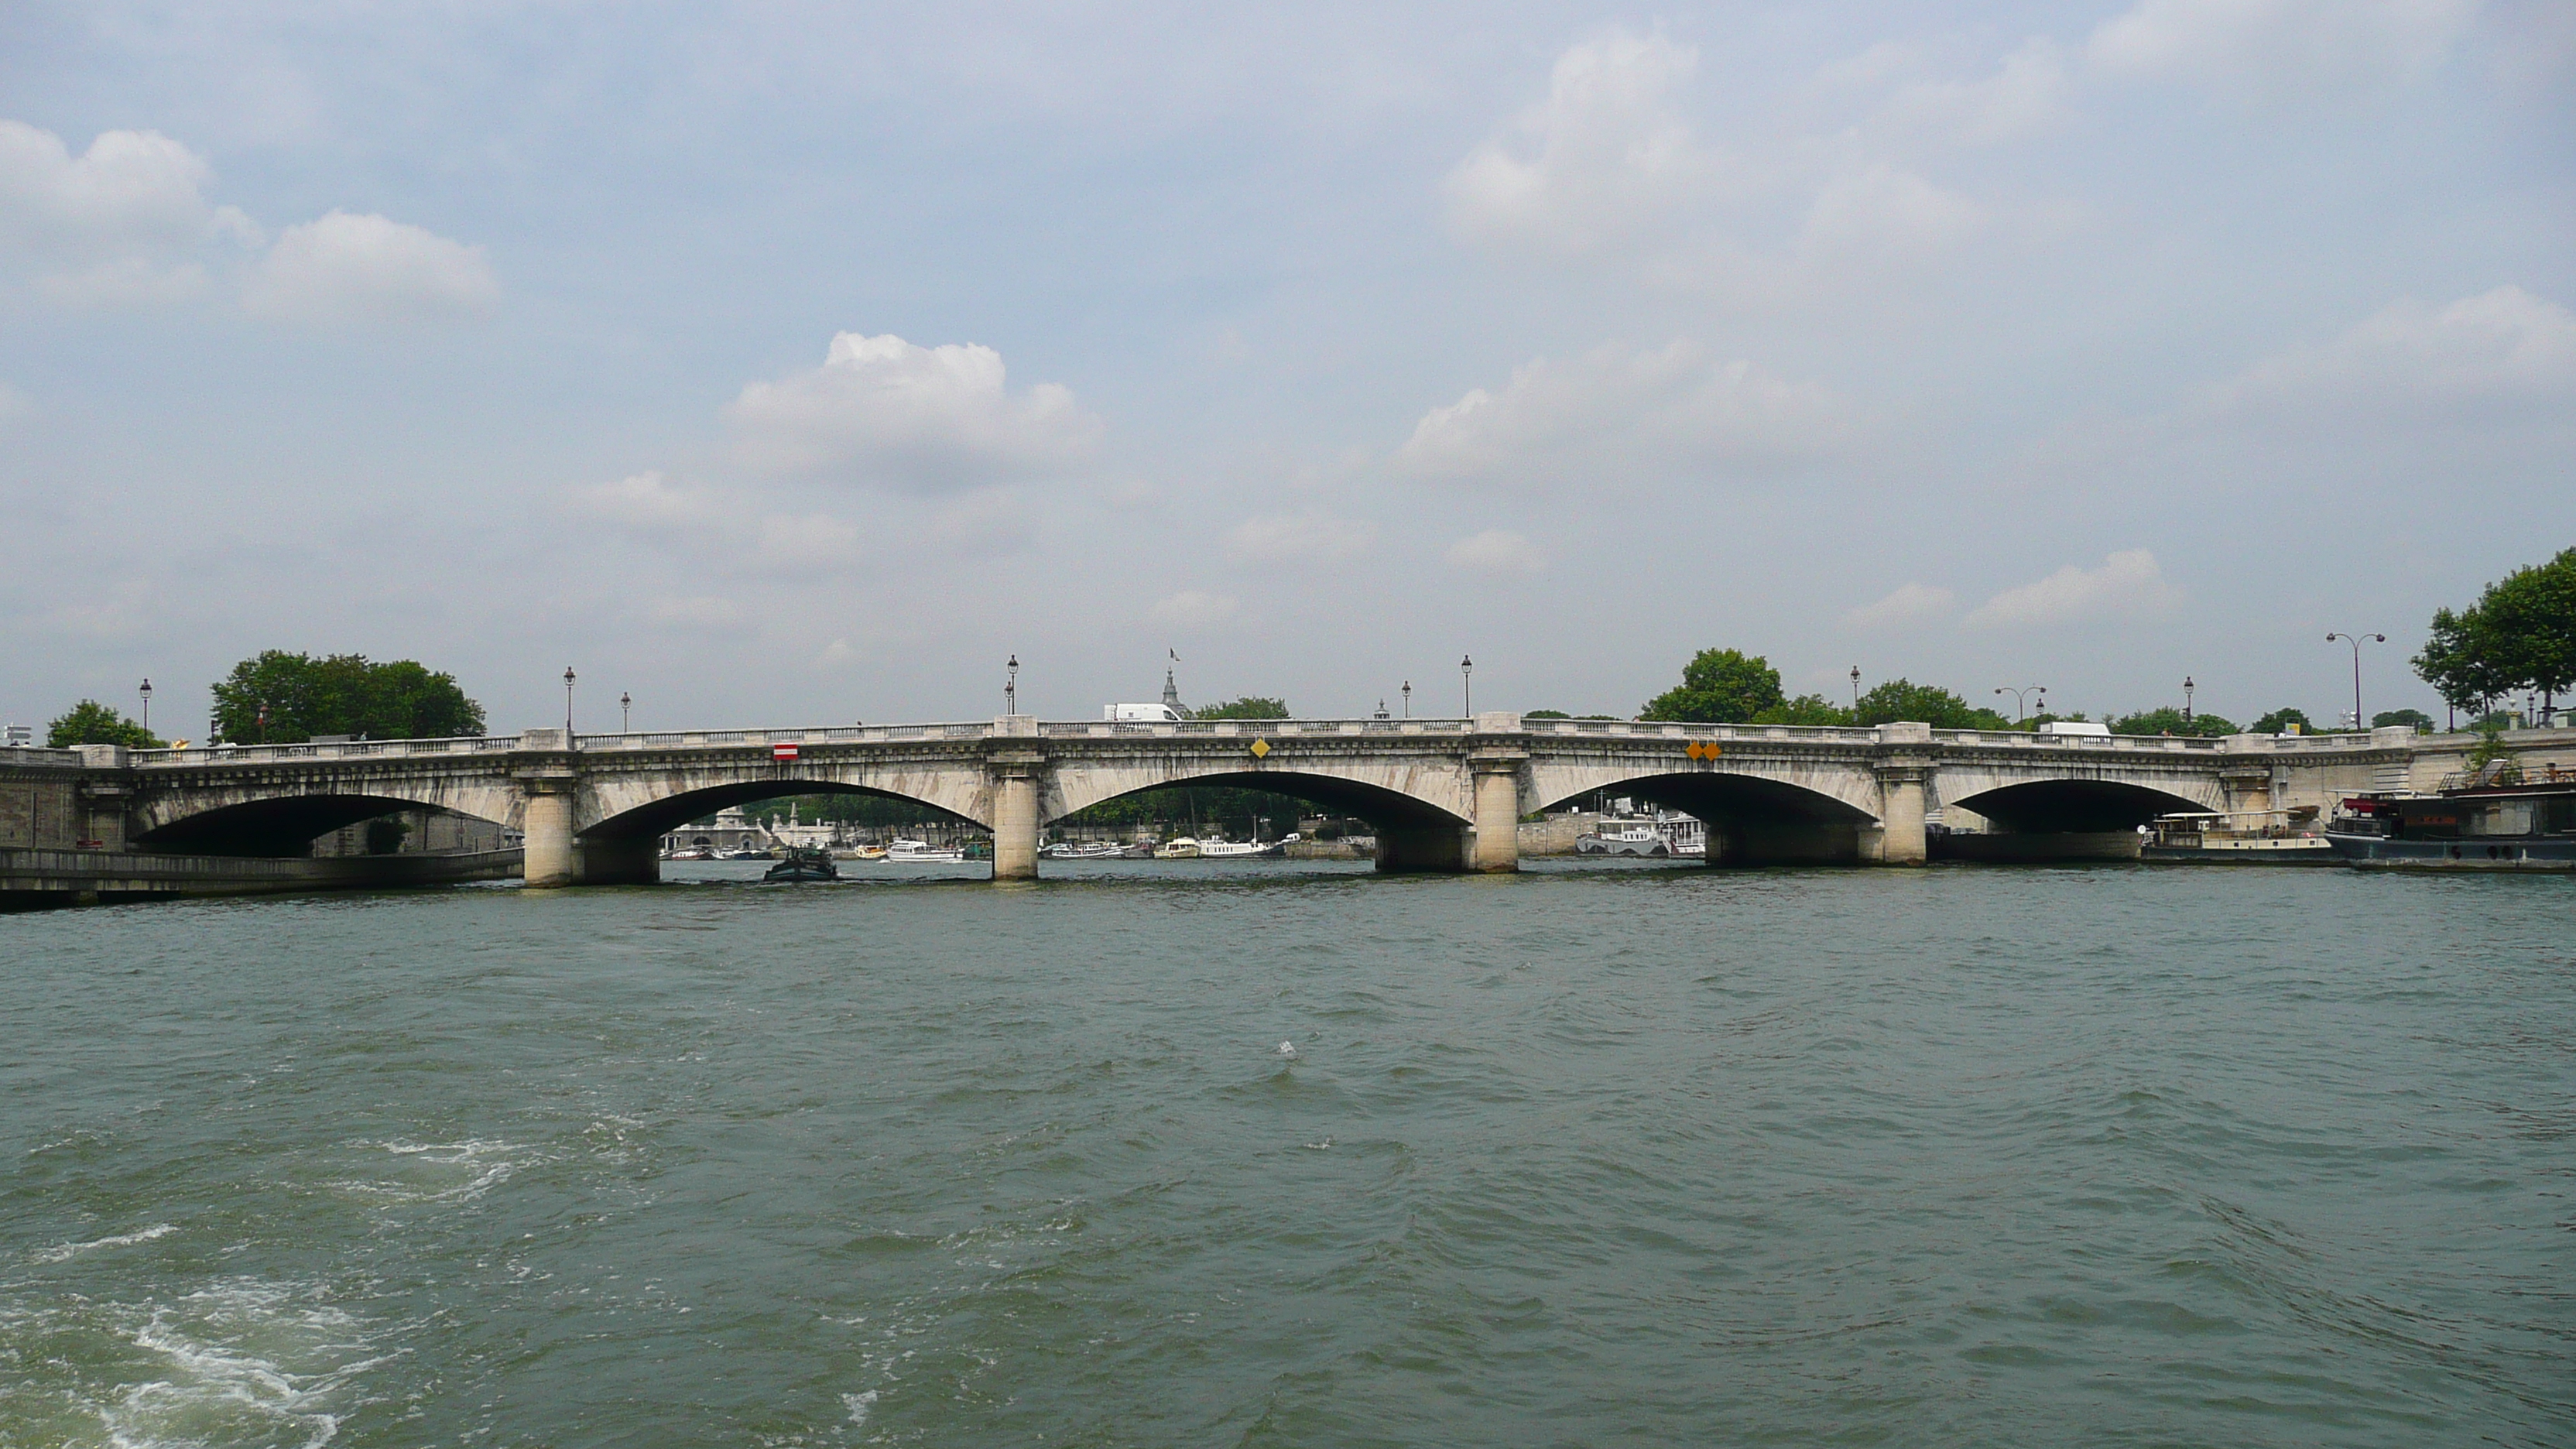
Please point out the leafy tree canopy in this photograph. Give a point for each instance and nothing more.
(1545, 714)
(2281, 719)
(1902, 699)
(2167, 720)
(1719, 686)
(92, 723)
(2520, 634)
(2413, 718)
(342, 694)
(1806, 709)
(1251, 706)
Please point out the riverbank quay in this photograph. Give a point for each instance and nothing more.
(44, 879)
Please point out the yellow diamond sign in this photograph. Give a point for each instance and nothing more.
(1260, 749)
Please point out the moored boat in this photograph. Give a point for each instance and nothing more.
(921, 852)
(1180, 848)
(2502, 821)
(1628, 839)
(2210, 837)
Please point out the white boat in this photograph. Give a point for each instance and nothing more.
(1628, 839)
(1183, 848)
(921, 852)
(1089, 850)
(1217, 849)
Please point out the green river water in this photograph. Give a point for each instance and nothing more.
(1601, 1155)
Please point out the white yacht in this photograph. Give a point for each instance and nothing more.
(921, 852)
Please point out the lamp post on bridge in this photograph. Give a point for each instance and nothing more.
(2186, 699)
(2021, 709)
(1408, 699)
(625, 713)
(1011, 687)
(567, 706)
(2355, 641)
(1855, 689)
(147, 704)
(1467, 684)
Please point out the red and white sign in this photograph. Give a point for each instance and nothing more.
(782, 753)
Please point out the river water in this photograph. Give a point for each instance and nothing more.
(1649, 1155)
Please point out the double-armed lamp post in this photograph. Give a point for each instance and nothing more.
(2020, 711)
(2355, 641)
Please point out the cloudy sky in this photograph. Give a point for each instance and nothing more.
(788, 364)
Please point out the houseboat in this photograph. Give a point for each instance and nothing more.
(2499, 820)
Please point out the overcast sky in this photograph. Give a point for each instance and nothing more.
(785, 364)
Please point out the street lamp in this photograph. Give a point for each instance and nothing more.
(1467, 683)
(2186, 699)
(2355, 641)
(1011, 686)
(567, 706)
(625, 713)
(2020, 712)
(1408, 699)
(1855, 689)
(147, 705)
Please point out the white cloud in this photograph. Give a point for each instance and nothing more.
(2281, 48)
(1616, 411)
(1285, 536)
(1881, 212)
(2128, 583)
(124, 282)
(1194, 609)
(131, 191)
(647, 501)
(343, 269)
(2501, 352)
(2029, 92)
(15, 408)
(1606, 153)
(1909, 604)
(882, 411)
(1496, 551)
(983, 523)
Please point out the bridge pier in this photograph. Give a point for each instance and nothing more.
(1497, 770)
(620, 862)
(1015, 800)
(1903, 768)
(549, 859)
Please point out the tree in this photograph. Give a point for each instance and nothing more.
(2520, 634)
(92, 723)
(2167, 720)
(1251, 706)
(2412, 718)
(282, 698)
(1902, 699)
(1545, 714)
(2280, 720)
(1806, 709)
(1719, 686)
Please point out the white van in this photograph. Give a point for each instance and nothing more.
(1130, 713)
(2085, 729)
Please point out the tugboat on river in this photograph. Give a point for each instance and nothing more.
(804, 862)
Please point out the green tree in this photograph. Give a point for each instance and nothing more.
(1251, 706)
(1719, 686)
(2520, 634)
(1545, 714)
(1902, 699)
(1806, 709)
(2167, 720)
(282, 698)
(2281, 719)
(2412, 718)
(92, 723)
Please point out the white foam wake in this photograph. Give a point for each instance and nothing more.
(68, 1251)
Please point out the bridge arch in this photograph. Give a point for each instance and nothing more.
(281, 825)
(660, 815)
(1752, 819)
(2074, 806)
(1422, 813)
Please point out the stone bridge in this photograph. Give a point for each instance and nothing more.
(1444, 794)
